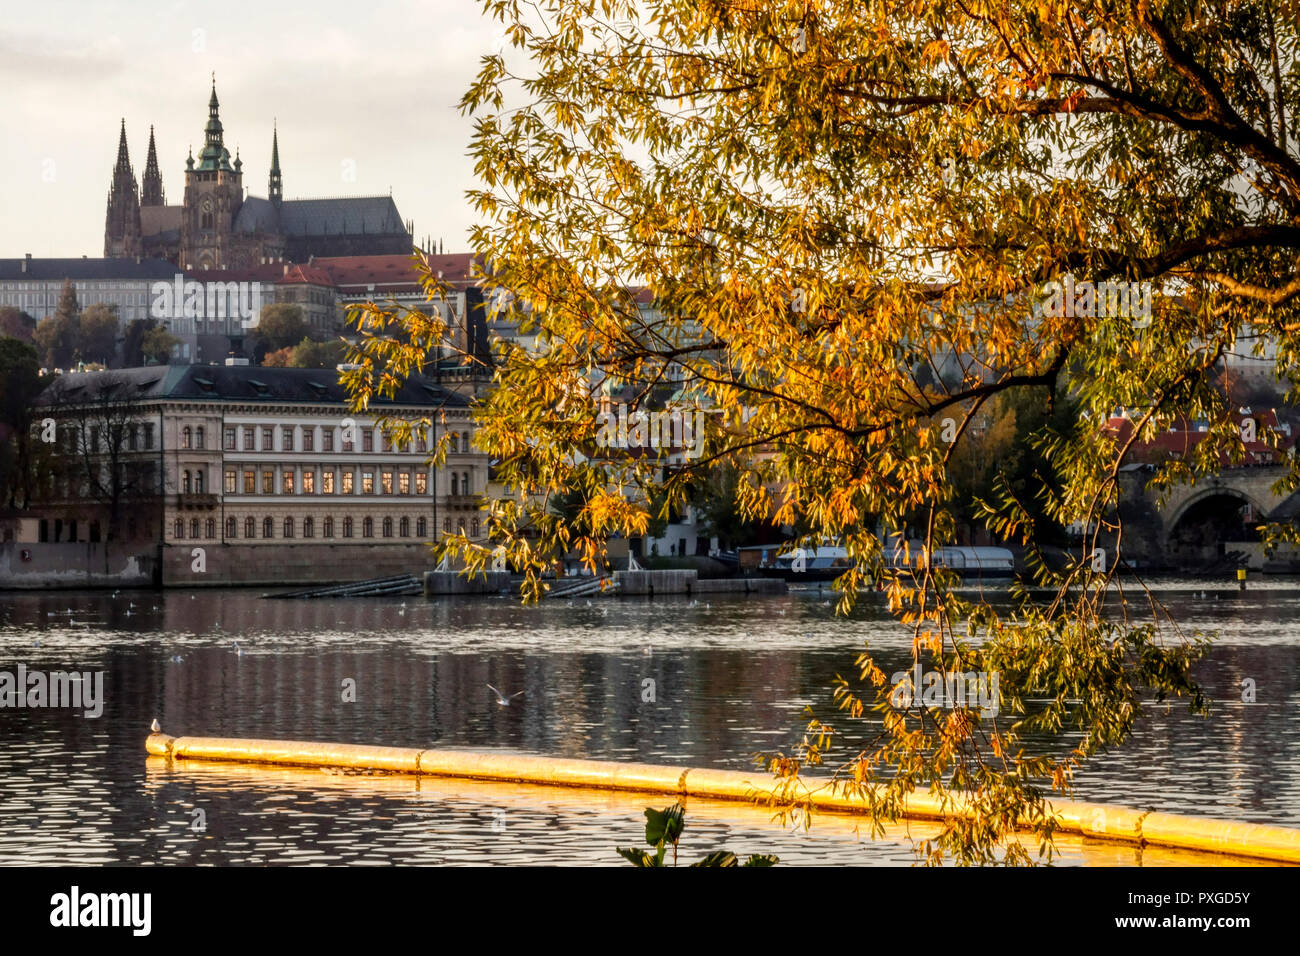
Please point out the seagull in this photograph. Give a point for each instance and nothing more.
(502, 699)
(155, 726)
(176, 659)
(238, 651)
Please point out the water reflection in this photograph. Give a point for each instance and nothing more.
(731, 677)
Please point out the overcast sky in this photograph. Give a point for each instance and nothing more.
(360, 89)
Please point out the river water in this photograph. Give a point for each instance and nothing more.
(731, 677)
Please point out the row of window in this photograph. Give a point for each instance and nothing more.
(389, 482)
(140, 437)
(130, 436)
(200, 528)
(371, 439)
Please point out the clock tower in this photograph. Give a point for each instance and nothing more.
(214, 191)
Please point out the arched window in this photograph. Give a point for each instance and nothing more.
(198, 437)
(446, 525)
(268, 527)
(455, 483)
(288, 527)
(464, 483)
(194, 527)
(367, 527)
(250, 527)
(231, 526)
(327, 528)
(404, 527)
(210, 528)
(185, 482)
(205, 221)
(178, 529)
(421, 528)
(473, 528)
(460, 525)
(347, 527)
(308, 527)
(455, 442)
(198, 482)
(388, 527)
(187, 437)
(464, 440)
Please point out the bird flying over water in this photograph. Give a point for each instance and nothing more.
(502, 699)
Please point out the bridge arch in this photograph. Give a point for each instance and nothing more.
(1202, 493)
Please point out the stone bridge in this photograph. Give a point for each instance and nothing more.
(1212, 520)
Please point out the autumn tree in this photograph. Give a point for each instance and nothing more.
(98, 333)
(105, 452)
(58, 335)
(16, 324)
(309, 354)
(281, 325)
(849, 221)
(158, 344)
(279, 358)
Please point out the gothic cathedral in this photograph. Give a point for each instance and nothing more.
(219, 226)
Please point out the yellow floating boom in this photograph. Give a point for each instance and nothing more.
(1259, 841)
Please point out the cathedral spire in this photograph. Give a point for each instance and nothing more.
(123, 157)
(122, 219)
(151, 187)
(275, 187)
(213, 155)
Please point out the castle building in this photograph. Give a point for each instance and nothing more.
(193, 476)
(218, 225)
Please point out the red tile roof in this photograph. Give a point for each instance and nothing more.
(1182, 439)
(395, 271)
(313, 275)
(272, 272)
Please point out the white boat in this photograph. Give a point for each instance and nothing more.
(827, 562)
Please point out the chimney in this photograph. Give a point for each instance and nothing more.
(27, 262)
